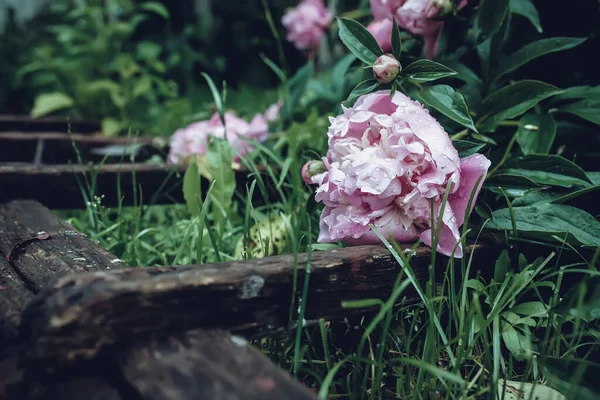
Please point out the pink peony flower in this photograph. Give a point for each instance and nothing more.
(273, 111)
(386, 68)
(307, 23)
(193, 139)
(382, 31)
(388, 159)
(419, 17)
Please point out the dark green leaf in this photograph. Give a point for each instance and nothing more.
(396, 43)
(47, 103)
(449, 102)
(534, 50)
(192, 192)
(546, 220)
(511, 181)
(296, 87)
(548, 170)
(216, 96)
(579, 92)
(364, 87)
(466, 148)
(502, 266)
(359, 40)
(156, 8)
(425, 71)
(536, 133)
(512, 101)
(489, 18)
(582, 301)
(339, 73)
(525, 8)
(518, 344)
(576, 379)
(586, 109)
(219, 157)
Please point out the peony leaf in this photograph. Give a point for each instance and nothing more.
(449, 102)
(489, 18)
(513, 390)
(525, 8)
(512, 101)
(49, 102)
(586, 109)
(548, 220)
(582, 301)
(192, 192)
(536, 133)
(518, 344)
(466, 148)
(534, 50)
(364, 87)
(579, 92)
(396, 43)
(548, 170)
(577, 379)
(359, 40)
(425, 71)
(219, 157)
(156, 8)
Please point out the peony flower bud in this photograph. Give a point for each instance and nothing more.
(386, 68)
(312, 168)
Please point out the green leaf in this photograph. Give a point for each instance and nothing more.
(534, 50)
(531, 308)
(359, 40)
(296, 88)
(518, 344)
(364, 87)
(216, 95)
(577, 379)
(192, 192)
(586, 109)
(525, 8)
(466, 148)
(156, 8)
(489, 18)
(579, 92)
(512, 101)
(513, 390)
(548, 170)
(502, 266)
(396, 43)
(511, 181)
(142, 86)
(47, 103)
(110, 127)
(536, 133)
(339, 74)
(547, 220)
(581, 301)
(449, 102)
(425, 71)
(219, 158)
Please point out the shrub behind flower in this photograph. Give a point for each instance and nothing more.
(388, 159)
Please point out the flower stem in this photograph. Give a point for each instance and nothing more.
(505, 156)
(460, 134)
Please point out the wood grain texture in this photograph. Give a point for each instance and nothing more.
(81, 314)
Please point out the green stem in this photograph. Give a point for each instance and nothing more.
(504, 157)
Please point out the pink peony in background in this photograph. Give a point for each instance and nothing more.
(382, 31)
(193, 139)
(387, 160)
(419, 17)
(307, 23)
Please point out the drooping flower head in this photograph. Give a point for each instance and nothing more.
(388, 161)
(307, 23)
(193, 139)
(419, 17)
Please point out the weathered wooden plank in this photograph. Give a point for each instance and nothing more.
(214, 364)
(58, 148)
(49, 124)
(14, 295)
(58, 186)
(81, 314)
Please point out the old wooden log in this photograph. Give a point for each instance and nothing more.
(25, 123)
(62, 186)
(38, 247)
(81, 314)
(60, 148)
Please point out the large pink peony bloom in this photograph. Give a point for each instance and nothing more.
(419, 17)
(193, 139)
(307, 23)
(387, 160)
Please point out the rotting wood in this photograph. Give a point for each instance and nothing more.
(25, 123)
(81, 314)
(202, 362)
(59, 148)
(187, 364)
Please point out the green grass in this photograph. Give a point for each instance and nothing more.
(476, 324)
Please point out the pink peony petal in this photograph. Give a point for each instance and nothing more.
(471, 168)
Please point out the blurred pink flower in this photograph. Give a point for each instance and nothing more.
(307, 23)
(193, 139)
(382, 31)
(388, 159)
(419, 17)
(273, 111)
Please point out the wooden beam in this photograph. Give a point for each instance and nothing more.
(60, 148)
(82, 314)
(49, 124)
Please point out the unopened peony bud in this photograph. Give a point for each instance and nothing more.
(386, 68)
(311, 169)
